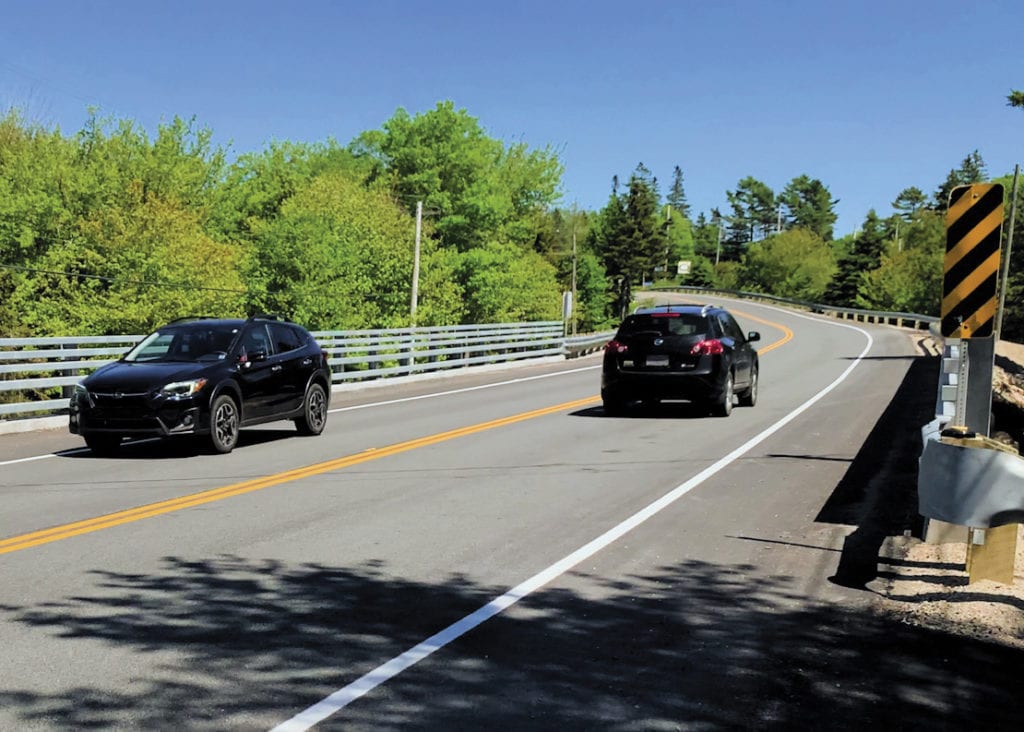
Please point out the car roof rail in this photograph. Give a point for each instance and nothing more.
(265, 316)
(190, 318)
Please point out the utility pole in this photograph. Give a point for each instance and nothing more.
(1006, 255)
(718, 249)
(416, 264)
(574, 302)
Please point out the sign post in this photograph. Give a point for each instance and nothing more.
(974, 222)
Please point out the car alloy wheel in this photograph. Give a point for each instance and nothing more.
(724, 407)
(224, 424)
(749, 397)
(314, 413)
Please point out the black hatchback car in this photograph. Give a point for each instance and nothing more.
(692, 352)
(206, 376)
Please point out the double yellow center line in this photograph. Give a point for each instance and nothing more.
(65, 531)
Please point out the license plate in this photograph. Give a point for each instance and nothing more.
(657, 362)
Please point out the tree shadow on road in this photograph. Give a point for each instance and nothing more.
(235, 643)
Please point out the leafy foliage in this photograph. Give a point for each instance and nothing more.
(797, 264)
(478, 189)
(502, 284)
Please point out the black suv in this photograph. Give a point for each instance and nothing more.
(206, 376)
(692, 352)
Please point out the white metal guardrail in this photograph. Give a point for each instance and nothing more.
(36, 374)
(909, 320)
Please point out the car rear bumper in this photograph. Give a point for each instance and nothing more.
(647, 385)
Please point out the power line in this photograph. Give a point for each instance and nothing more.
(118, 280)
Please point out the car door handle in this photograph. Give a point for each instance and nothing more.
(276, 367)
(307, 361)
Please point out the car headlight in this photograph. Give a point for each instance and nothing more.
(181, 389)
(81, 395)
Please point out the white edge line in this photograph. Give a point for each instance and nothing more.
(341, 698)
(79, 450)
(62, 453)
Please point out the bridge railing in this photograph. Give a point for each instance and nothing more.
(37, 374)
(902, 320)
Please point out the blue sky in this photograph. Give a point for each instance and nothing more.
(870, 97)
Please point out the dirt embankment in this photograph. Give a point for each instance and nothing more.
(1008, 394)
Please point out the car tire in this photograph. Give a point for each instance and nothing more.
(103, 445)
(225, 424)
(723, 407)
(748, 398)
(314, 411)
(614, 405)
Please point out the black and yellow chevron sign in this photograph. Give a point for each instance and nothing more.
(974, 222)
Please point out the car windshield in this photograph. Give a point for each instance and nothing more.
(185, 343)
(664, 324)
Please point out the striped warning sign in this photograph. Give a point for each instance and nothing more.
(974, 222)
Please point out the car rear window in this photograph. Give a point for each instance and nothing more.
(667, 324)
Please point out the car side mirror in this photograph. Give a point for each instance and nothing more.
(753, 336)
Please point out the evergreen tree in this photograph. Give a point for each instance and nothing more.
(865, 256)
(753, 215)
(810, 206)
(676, 197)
(629, 237)
(910, 201)
(971, 170)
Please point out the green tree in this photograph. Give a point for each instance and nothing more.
(866, 255)
(479, 189)
(340, 256)
(1015, 98)
(676, 197)
(257, 184)
(909, 275)
(503, 283)
(702, 273)
(754, 215)
(707, 233)
(809, 206)
(972, 170)
(909, 202)
(680, 243)
(797, 264)
(131, 268)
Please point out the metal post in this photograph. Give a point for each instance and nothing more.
(416, 264)
(718, 249)
(574, 301)
(1004, 276)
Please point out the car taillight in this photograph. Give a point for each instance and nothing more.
(323, 352)
(712, 347)
(616, 347)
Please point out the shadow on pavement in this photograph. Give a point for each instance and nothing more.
(878, 493)
(246, 644)
(173, 448)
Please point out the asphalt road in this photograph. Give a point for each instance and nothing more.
(670, 570)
